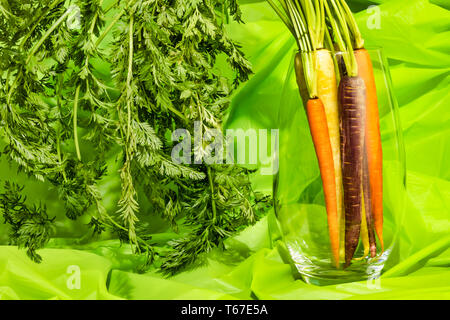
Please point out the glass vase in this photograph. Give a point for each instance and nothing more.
(301, 215)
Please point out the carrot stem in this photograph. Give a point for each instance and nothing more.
(353, 26)
(75, 122)
(342, 37)
(282, 16)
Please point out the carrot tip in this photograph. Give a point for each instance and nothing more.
(373, 251)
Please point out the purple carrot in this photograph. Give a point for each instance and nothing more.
(352, 104)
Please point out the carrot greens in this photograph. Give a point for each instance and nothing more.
(62, 117)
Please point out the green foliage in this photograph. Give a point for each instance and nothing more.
(54, 105)
(228, 206)
(31, 227)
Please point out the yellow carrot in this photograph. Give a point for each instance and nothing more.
(327, 92)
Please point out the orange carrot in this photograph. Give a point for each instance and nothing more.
(372, 140)
(369, 232)
(319, 131)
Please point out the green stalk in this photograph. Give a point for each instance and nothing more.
(346, 45)
(359, 41)
(308, 49)
(13, 87)
(5, 88)
(37, 45)
(309, 20)
(322, 26)
(227, 14)
(114, 223)
(284, 5)
(306, 21)
(75, 122)
(299, 28)
(35, 24)
(300, 20)
(58, 150)
(111, 6)
(46, 35)
(58, 130)
(337, 33)
(91, 31)
(177, 113)
(330, 47)
(110, 26)
(213, 201)
(113, 23)
(94, 19)
(282, 16)
(130, 77)
(5, 9)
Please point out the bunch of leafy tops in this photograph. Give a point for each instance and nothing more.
(62, 120)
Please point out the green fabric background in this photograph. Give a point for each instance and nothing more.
(415, 36)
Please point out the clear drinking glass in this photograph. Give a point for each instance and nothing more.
(298, 194)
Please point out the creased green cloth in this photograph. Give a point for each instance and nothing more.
(415, 37)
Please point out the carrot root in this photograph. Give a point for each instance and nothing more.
(372, 141)
(320, 135)
(352, 122)
(327, 92)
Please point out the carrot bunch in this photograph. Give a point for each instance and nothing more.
(339, 95)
